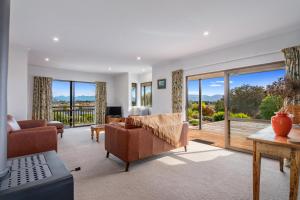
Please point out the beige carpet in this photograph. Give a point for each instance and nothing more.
(204, 172)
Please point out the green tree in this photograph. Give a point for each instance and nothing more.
(246, 99)
(269, 105)
(219, 106)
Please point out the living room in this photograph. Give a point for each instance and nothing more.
(115, 91)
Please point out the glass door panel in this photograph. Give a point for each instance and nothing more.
(250, 106)
(212, 97)
(84, 98)
(61, 102)
(205, 109)
(193, 104)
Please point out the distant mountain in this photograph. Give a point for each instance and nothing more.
(213, 98)
(61, 98)
(77, 98)
(85, 98)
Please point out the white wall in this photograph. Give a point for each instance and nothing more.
(122, 92)
(17, 100)
(62, 74)
(254, 53)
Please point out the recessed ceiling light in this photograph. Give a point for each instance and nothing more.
(138, 58)
(109, 69)
(47, 59)
(55, 39)
(205, 33)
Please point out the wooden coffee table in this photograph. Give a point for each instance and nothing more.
(97, 128)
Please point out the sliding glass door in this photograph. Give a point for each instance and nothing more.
(226, 107)
(83, 107)
(73, 102)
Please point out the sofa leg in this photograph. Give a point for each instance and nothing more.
(127, 167)
(185, 148)
(107, 154)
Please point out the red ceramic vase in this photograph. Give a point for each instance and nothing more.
(281, 124)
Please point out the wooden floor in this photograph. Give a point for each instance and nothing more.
(214, 132)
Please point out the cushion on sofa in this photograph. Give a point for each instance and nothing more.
(129, 123)
(12, 124)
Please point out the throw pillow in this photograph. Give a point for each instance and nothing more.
(12, 124)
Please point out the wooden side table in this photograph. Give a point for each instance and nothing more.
(97, 129)
(266, 142)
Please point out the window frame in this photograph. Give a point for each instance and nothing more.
(72, 89)
(134, 85)
(143, 91)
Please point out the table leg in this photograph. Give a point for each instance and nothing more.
(97, 135)
(256, 171)
(294, 175)
(92, 133)
(281, 163)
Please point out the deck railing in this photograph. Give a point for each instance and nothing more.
(77, 116)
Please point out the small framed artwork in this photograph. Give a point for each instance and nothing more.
(161, 84)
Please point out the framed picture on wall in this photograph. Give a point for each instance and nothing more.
(161, 84)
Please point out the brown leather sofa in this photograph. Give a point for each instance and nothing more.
(34, 137)
(131, 144)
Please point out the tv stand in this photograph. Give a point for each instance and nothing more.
(113, 119)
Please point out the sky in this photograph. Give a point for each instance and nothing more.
(214, 86)
(62, 88)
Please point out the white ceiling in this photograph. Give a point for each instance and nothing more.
(98, 34)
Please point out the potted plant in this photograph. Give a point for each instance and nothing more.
(289, 90)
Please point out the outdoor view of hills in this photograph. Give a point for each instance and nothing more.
(249, 97)
(84, 93)
(213, 98)
(82, 98)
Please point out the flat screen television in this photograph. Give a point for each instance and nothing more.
(114, 111)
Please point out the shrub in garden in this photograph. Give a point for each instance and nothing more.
(207, 118)
(195, 115)
(269, 105)
(207, 110)
(239, 115)
(194, 122)
(218, 116)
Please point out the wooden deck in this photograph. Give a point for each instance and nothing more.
(214, 132)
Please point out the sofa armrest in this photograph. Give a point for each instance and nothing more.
(184, 138)
(30, 141)
(32, 123)
(116, 141)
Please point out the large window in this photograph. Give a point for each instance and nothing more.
(133, 94)
(73, 102)
(146, 94)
